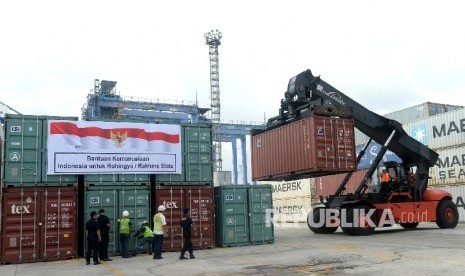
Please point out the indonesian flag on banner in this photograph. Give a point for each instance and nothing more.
(81, 147)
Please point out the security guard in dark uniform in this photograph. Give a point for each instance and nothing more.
(186, 223)
(93, 238)
(104, 225)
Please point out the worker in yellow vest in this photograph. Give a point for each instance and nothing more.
(144, 235)
(125, 228)
(159, 230)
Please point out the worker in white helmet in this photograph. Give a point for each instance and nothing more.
(125, 228)
(159, 230)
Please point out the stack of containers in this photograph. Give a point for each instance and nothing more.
(39, 211)
(244, 215)
(442, 128)
(192, 189)
(292, 200)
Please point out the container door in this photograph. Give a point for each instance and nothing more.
(23, 156)
(59, 224)
(20, 226)
(231, 218)
(173, 199)
(137, 202)
(260, 219)
(198, 162)
(200, 204)
(107, 199)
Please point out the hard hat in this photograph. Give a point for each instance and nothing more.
(161, 208)
(125, 214)
(145, 222)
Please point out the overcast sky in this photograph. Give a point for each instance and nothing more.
(388, 55)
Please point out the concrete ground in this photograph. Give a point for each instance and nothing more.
(427, 250)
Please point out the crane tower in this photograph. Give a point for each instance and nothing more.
(213, 40)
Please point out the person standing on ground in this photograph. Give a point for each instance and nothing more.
(104, 225)
(186, 224)
(159, 230)
(124, 233)
(144, 235)
(93, 238)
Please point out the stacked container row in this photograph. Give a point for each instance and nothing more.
(244, 215)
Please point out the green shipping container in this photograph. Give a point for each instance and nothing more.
(25, 156)
(231, 216)
(244, 215)
(197, 165)
(260, 218)
(117, 179)
(115, 200)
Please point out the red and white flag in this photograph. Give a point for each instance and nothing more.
(88, 147)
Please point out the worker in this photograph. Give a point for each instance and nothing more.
(124, 233)
(104, 225)
(186, 224)
(144, 235)
(93, 238)
(385, 181)
(159, 230)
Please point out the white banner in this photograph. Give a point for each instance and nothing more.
(82, 147)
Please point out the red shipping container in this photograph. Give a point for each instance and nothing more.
(327, 185)
(199, 200)
(39, 224)
(310, 147)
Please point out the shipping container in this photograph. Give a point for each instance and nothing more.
(458, 197)
(25, 157)
(291, 189)
(260, 210)
(439, 131)
(408, 115)
(197, 165)
(244, 215)
(200, 202)
(232, 212)
(309, 147)
(450, 167)
(327, 185)
(291, 209)
(115, 200)
(39, 224)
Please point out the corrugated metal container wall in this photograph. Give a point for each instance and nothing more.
(294, 209)
(411, 114)
(309, 147)
(421, 111)
(199, 200)
(260, 209)
(26, 151)
(39, 224)
(115, 200)
(231, 215)
(116, 179)
(292, 189)
(197, 158)
(440, 131)
(327, 185)
(458, 196)
(450, 167)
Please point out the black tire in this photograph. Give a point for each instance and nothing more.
(357, 229)
(447, 215)
(409, 225)
(315, 216)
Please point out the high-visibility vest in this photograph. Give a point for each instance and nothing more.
(124, 226)
(148, 232)
(385, 177)
(157, 222)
